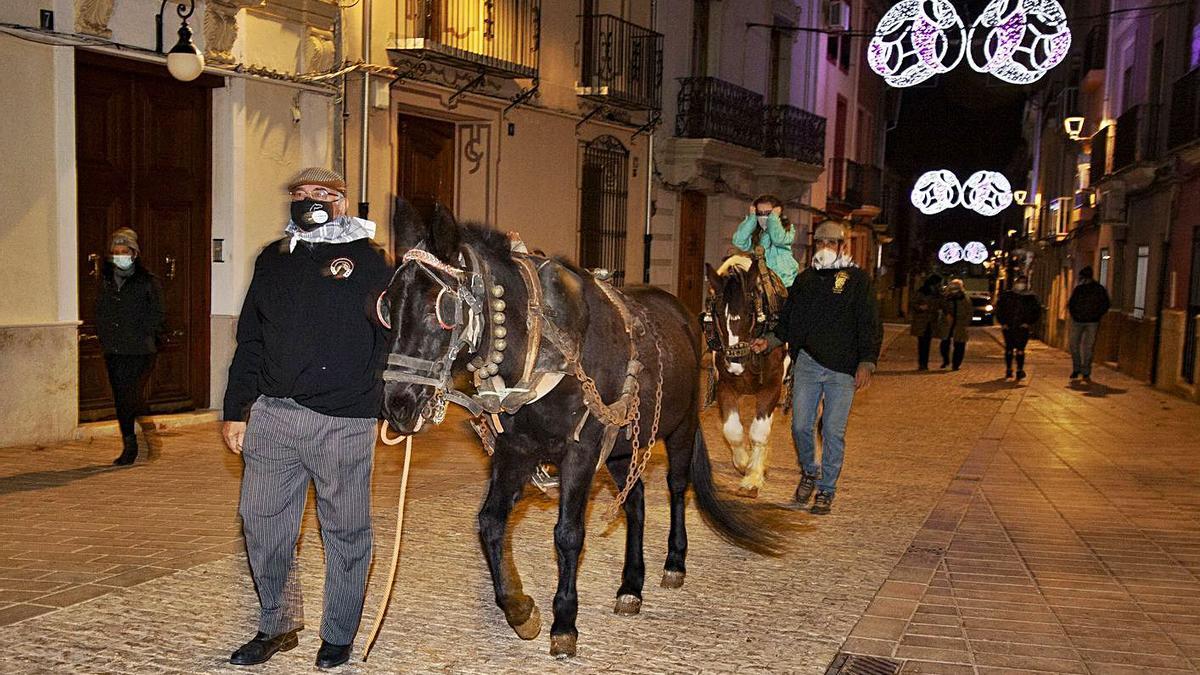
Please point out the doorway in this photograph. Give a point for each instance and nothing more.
(143, 160)
(426, 164)
(692, 221)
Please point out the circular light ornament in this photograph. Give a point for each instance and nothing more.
(950, 252)
(987, 193)
(975, 252)
(936, 191)
(1018, 41)
(915, 40)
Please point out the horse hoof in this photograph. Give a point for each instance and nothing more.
(628, 604)
(751, 492)
(562, 646)
(672, 579)
(532, 626)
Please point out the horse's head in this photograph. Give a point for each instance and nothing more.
(735, 311)
(435, 306)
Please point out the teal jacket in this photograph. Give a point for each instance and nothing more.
(777, 246)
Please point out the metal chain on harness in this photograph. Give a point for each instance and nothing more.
(637, 464)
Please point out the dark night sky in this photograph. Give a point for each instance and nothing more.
(963, 121)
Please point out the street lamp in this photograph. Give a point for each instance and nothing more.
(1020, 196)
(1073, 126)
(184, 61)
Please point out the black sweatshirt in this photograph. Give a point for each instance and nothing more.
(832, 315)
(308, 330)
(129, 316)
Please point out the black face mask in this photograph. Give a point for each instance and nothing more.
(309, 214)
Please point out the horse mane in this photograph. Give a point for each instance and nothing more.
(486, 239)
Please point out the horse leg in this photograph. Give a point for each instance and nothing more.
(732, 426)
(680, 445)
(504, 489)
(575, 474)
(633, 575)
(760, 432)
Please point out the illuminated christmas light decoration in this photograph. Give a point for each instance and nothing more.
(915, 40)
(975, 252)
(950, 252)
(936, 191)
(987, 193)
(1018, 41)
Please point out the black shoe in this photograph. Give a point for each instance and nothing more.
(262, 648)
(823, 504)
(129, 453)
(944, 364)
(1020, 375)
(1074, 375)
(1008, 373)
(331, 655)
(805, 489)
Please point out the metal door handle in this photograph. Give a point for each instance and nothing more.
(170, 260)
(94, 260)
(88, 337)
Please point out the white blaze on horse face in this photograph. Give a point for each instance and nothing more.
(733, 368)
(733, 430)
(760, 430)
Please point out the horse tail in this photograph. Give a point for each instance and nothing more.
(749, 527)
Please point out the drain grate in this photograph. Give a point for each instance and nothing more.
(854, 664)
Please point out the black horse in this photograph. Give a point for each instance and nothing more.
(461, 287)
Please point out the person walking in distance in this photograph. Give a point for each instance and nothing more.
(954, 322)
(924, 310)
(129, 322)
(1088, 304)
(307, 376)
(832, 328)
(1017, 310)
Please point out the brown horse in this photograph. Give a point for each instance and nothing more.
(737, 317)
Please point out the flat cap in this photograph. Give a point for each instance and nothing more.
(318, 175)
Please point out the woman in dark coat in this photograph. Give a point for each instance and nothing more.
(129, 319)
(956, 318)
(924, 313)
(1017, 310)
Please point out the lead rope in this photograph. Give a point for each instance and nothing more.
(391, 579)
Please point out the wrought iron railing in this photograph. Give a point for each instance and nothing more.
(853, 183)
(500, 36)
(1185, 110)
(621, 63)
(1137, 136)
(712, 108)
(795, 134)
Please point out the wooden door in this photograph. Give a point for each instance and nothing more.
(426, 174)
(143, 161)
(692, 222)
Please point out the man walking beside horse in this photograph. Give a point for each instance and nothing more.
(831, 325)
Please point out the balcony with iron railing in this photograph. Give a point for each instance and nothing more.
(853, 184)
(1185, 111)
(494, 37)
(796, 134)
(1136, 138)
(720, 110)
(621, 63)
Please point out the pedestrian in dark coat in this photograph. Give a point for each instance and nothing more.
(954, 322)
(1017, 310)
(307, 375)
(1087, 305)
(924, 310)
(129, 321)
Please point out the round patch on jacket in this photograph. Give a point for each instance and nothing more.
(341, 268)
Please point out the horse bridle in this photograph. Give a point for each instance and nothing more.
(750, 293)
(465, 322)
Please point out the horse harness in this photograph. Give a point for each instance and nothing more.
(460, 308)
(712, 332)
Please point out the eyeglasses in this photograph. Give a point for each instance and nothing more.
(320, 194)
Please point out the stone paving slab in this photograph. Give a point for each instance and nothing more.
(920, 445)
(1067, 543)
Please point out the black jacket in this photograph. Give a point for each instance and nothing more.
(832, 315)
(308, 330)
(129, 318)
(1015, 309)
(1089, 302)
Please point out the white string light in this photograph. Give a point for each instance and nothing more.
(985, 192)
(915, 40)
(950, 252)
(974, 252)
(936, 191)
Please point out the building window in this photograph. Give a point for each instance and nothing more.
(603, 206)
(1139, 290)
(837, 49)
(1105, 257)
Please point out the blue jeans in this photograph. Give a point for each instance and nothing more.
(1082, 340)
(813, 382)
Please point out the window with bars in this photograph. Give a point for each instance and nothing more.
(603, 206)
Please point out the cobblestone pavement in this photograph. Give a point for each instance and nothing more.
(977, 524)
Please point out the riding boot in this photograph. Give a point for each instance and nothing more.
(129, 453)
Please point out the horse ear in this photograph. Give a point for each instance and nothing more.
(715, 283)
(443, 237)
(407, 226)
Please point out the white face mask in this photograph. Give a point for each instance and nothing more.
(762, 221)
(123, 261)
(1020, 288)
(824, 258)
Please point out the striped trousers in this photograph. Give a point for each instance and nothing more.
(287, 445)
